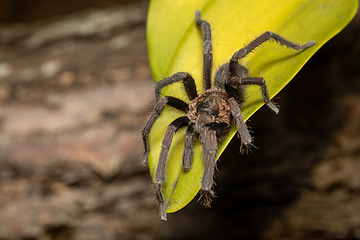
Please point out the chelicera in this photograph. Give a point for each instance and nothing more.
(209, 115)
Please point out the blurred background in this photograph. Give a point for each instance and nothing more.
(75, 92)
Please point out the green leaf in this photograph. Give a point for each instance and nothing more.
(175, 44)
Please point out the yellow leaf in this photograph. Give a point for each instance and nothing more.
(175, 45)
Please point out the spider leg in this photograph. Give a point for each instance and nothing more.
(161, 201)
(261, 81)
(221, 77)
(188, 81)
(261, 39)
(209, 142)
(218, 128)
(209, 138)
(159, 107)
(188, 148)
(208, 57)
(240, 123)
(236, 82)
(160, 174)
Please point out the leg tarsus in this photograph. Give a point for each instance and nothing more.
(207, 55)
(204, 25)
(198, 17)
(161, 200)
(307, 45)
(261, 82)
(207, 197)
(282, 41)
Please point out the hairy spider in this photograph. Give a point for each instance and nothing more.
(208, 116)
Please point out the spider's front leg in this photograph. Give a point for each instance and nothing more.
(234, 66)
(159, 108)
(209, 142)
(188, 82)
(207, 55)
(260, 40)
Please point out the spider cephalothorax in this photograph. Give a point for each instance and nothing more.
(208, 116)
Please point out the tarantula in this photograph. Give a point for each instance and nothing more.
(208, 116)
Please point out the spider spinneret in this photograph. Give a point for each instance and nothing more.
(209, 115)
